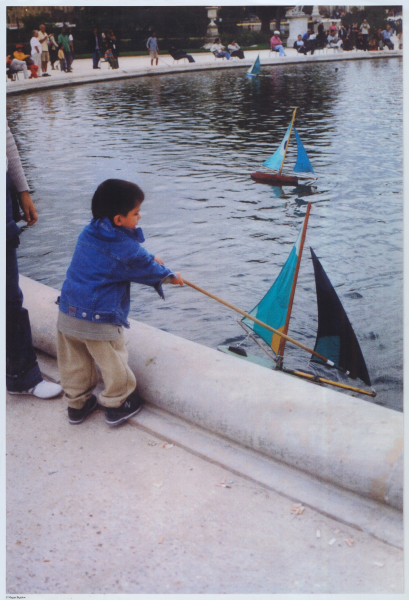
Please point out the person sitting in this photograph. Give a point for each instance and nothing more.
(334, 41)
(333, 28)
(375, 41)
(309, 41)
(219, 50)
(18, 54)
(234, 49)
(359, 41)
(13, 66)
(276, 45)
(177, 54)
(347, 43)
(300, 46)
(386, 37)
(321, 38)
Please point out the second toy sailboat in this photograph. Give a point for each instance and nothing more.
(302, 169)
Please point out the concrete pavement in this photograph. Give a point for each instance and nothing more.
(158, 505)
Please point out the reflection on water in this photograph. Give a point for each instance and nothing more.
(191, 141)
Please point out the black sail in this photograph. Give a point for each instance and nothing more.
(336, 339)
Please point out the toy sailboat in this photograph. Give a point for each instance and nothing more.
(302, 169)
(336, 344)
(254, 70)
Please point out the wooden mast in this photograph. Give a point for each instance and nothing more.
(281, 348)
(288, 141)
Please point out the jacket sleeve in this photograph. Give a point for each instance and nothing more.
(142, 268)
(14, 167)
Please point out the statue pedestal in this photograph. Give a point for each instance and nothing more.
(298, 26)
(212, 31)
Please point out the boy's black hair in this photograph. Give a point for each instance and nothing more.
(115, 197)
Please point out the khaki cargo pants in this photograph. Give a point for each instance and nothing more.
(76, 361)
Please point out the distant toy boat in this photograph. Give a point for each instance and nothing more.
(336, 340)
(302, 168)
(255, 68)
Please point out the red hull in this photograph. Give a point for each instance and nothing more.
(275, 179)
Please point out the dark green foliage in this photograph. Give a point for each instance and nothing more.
(375, 15)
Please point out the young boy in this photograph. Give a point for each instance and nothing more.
(95, 300)
(153, 48)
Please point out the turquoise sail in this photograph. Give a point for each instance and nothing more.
(272, 309)
(303, 164)
(274, 162)
(255, 68)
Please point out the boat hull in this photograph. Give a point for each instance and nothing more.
(274, 178)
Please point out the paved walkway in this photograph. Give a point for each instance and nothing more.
(148, 508)
(137, 66)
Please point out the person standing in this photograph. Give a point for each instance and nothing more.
(35, 49)
(153, 48)
(365, 33)
(95, 46)
(53, 50)
(23, 374)
(71, 42)
(64, 44)
(45, 56)
(112, 44)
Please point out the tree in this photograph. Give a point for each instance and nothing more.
(268, 13)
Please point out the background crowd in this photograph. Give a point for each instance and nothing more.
(38, 52)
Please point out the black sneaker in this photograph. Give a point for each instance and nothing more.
(131, 406)
(77, 415)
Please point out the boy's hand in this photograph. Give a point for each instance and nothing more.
(177, 280)
(158, 260)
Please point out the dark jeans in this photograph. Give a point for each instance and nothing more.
(22, 370)
(389, 44)
(95, 59)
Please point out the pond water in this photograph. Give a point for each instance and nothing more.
(190, 141)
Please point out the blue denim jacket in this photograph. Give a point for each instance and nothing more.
(106, 260)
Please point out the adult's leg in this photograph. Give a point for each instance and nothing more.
(37, 60)
(95, 59)
(19, 65)
(67, 61)
(22, 370)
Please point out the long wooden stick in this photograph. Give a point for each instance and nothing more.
(288, 141)
(328, 381)
(290, 304)
(241, 312)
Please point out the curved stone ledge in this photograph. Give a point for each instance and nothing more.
(346, 441)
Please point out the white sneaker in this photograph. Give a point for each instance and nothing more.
(44, 390)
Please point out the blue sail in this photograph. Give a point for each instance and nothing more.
(255, 68)
(274, 162)
(303, 164)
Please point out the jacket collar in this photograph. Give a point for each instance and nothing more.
(104, 229)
